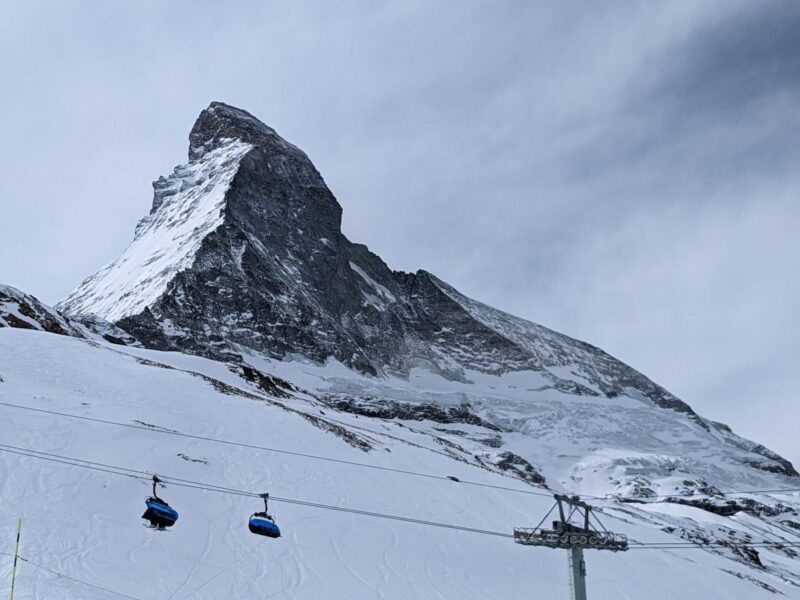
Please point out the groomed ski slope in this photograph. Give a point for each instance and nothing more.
(86, 523)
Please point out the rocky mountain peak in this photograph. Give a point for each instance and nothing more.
(221, 122)
(244, 249)
(273, 175)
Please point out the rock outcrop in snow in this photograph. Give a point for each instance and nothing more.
(23, 311)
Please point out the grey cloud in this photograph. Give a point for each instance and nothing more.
(749, 54)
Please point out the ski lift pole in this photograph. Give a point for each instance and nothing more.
(578, 572)
(16, 558)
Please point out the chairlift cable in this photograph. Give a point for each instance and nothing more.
(270, 449)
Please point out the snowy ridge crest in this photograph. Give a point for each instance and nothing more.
(187, 206)
(571, 365)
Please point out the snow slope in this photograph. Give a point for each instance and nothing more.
(86, 524)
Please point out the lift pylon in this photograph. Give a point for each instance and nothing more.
(575, 532)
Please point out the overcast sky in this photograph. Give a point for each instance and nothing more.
(626, 173)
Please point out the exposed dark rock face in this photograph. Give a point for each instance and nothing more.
(274, 386)
(725, 508)
(731, 506)
(774, 462)
(405, 411)
(515, 464)
(220, 122)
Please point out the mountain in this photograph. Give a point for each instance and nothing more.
(243, 249)
(247, 315)
(242, 252)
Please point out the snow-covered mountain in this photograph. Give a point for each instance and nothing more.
(263, 323)
(242, 252)
(243, 249)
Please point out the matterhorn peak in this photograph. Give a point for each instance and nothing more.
(243, 254)
(220, 122)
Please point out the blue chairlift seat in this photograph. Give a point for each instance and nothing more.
(262, 524)
(160, 514)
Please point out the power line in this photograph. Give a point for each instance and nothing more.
(269, 449)
(144, 475)
(76, 463)
(76, 580)
(188, 483)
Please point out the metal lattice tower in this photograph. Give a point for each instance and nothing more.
(573, 531)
